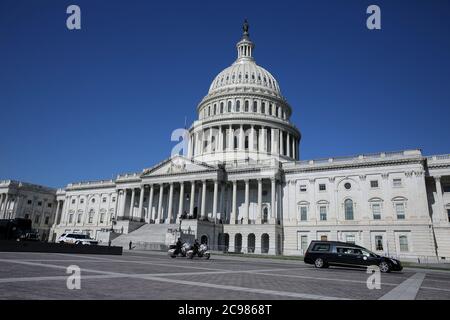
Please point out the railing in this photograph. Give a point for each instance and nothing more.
(439, 157)
(363, 157)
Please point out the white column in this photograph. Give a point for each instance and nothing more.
(440, 215)
(5, 207)
(288, 145)
(233, 208)
(210, 148)
(220, 137)
(281, 143)
(123, 202)
(222, 202)
(161, 193)
(273, 215)
(181, 203)
(259, 212)
(247, 201)
(293, 148)
(169, 211)
(241, 138)
(230, 138)
(191, 202)
(131, 204)
(203, 199)
(252, 138)
(151, 214)
(216, 186)
(141, 203)
(55, 223)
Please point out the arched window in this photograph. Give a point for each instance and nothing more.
(246, 142)
(91, 216)
(209, 111)
(270, 109)
(348, 205)
(215, 109)
(246, 106)
(235, 142)
(221, 107)
(263, 107)
(255, 106)
(238, 106)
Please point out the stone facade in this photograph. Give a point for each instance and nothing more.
(29, 201)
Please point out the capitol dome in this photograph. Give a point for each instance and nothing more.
(243, 117)
(244, 72)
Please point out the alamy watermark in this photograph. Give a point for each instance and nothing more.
(74, 279)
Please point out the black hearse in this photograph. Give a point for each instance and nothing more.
(333, 253)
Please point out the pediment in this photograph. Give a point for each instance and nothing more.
(177, 164)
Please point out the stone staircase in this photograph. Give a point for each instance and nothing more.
(147, 237)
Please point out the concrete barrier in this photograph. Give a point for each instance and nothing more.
(31, 246)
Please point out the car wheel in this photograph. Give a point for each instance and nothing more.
(319, 263)
(384, 267)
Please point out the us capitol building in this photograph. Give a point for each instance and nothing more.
(241, 186)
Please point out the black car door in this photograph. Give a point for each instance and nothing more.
(342, 256)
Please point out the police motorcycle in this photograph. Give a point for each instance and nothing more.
(202, 252)
(173, 252)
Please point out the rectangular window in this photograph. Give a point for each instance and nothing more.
(374, 184)
(90, 219)
(350, 238)
(323, 213)
(113, 199)
(379, 243)
(39, 203)
(304, 243)
(73, 201)
(403, 241)
(79, 218)
(303, 188)
(448, 214)
(36, 219)
(104, 200)
(29, 202)
(81, 200)
(321, 247)
(400, 210)
(303, 213)
(322, 187)
(49, 205)
(376, 211)
(71, 218)
(323, 238)
(47, 220)
(102, 217)
(446, 188)
(397, 182)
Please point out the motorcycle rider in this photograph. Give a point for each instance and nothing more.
(178, 246)
(196, 247)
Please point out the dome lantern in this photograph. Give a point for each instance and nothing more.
(245, 46)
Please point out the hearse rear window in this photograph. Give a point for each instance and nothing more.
(321, 247)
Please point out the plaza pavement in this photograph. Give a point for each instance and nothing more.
(154, 275)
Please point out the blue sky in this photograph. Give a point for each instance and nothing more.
(89, 104)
